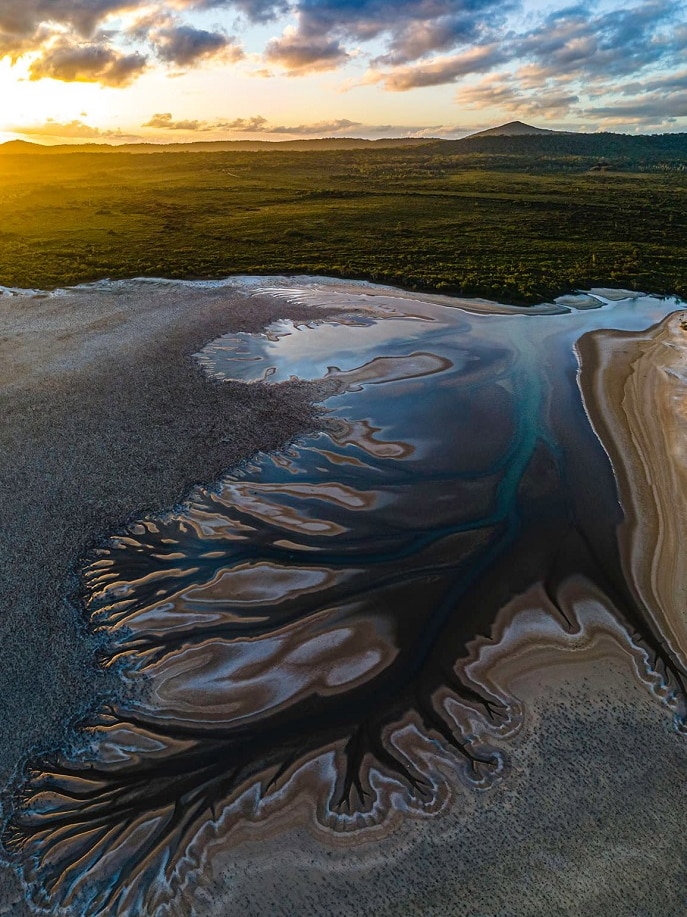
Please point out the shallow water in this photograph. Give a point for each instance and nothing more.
(319, 624)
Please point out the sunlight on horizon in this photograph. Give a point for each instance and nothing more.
(372, 72)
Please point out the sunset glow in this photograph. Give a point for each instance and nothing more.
(120, 70)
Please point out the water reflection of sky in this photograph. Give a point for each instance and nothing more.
(286, 350)
(307, 351)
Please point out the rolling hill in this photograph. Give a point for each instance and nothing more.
(512, 129)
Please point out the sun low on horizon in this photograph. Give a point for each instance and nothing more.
(130, 70)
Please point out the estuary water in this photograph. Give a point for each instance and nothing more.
(321, 630)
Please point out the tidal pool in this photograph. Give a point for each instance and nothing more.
(332, 629)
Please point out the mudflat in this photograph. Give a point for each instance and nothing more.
(105, 415)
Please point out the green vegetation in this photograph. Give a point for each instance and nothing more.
(480, 218)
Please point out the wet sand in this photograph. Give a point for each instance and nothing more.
(112, 420)
(589, 823)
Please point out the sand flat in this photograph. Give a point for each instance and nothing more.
(635, 390)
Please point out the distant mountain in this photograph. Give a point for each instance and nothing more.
(20, 146)
(215, 146)
(513, 129)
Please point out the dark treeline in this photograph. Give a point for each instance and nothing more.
(571, 150)
(536, 151)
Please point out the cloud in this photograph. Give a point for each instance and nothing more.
(655, 110)
(255, 125)
(411, 30)
(417, 39)
(82, 41)
(507, 93)
(571, 55)
(184, 45)
(656, 102)
(71, 130)
(22, 19)
(164, 121)
(576, 62)
(254, 10)
(431, 132)
(301, 54)
(672, 82)
(319, 128)
(448, 22)
(440, 70)
(88, 63)
(568, 52)
(575, 43)
(52, 128)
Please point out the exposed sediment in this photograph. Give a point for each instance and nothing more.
(635, 392)
(105, 414)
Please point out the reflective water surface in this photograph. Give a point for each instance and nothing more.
(317, 631)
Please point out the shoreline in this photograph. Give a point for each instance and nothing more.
(225, 281)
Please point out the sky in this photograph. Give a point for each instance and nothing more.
(126, 70)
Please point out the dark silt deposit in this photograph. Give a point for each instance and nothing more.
(331, 634)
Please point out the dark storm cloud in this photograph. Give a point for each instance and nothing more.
(88, 63)
(183, 45)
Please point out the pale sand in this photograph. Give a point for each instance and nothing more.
(635, 391)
